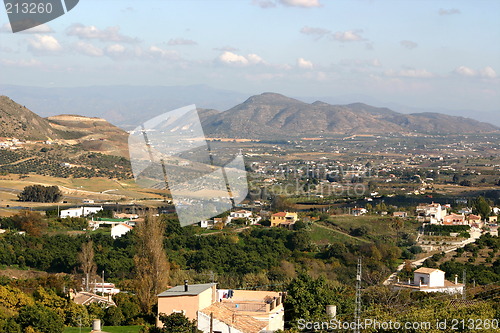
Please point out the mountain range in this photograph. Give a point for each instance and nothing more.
(126, 106)
(265, 116)
(272, 115)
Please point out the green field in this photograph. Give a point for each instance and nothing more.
(322, 235)
(379, 228)
(110, 329)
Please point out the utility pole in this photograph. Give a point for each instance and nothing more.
(103, 282)
(211, 322)
(357, 311)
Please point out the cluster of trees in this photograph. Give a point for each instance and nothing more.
(40, 193)
(49, 309)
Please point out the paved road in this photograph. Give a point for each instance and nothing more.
(419, 262)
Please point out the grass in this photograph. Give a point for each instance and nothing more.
(323, 235)
(110, 329)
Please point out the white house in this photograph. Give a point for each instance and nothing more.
(240, 214)
(119, 230)
(434, 212)
(430, 280)
(358, 211)
(105, 288)
(78, 212)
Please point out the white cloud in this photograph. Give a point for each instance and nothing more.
(255, 59)
(320, 32)
(231, 58)
(488, 72)
(465, 71)
(264, 3)
(289, 3)
(412, 73)
(110, 34)
(301, 3)
(39, 29)
(44, 43)
(408, 44)
(451, 11)
(88, 49)
(159, 53)
(304, 64)
(181, 41)
(21, 63)
(348, 36)
(115, 51)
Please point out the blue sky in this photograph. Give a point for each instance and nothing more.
(443, 54)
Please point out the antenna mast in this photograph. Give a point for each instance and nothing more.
(357, 311)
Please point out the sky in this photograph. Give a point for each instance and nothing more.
(426, 53)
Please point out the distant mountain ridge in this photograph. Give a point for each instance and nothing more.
(268, 115)
(275, 115)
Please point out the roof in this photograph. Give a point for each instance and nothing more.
(280, 214)
(85, 298)
(474, 217)
(123, 224)
(426, 270)
(243, 323)
(193, 290)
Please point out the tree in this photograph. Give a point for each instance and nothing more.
(40, 193)
(307, 298)
(151, 264)
(113, 316)
(176, 323)
(481, 207)
(86, 260)
(29, 221)
(41, 319)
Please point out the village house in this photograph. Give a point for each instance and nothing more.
(433, 213)
(79, 212)
(493, 219)
(87, 298)
(400, 214)
(454, 219)
(206, 224)
(358, 211)
(283, 219)
(430, 280)
(474, 219)
(119, 230)
(225, 311)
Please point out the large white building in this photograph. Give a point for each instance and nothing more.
(433, 213)
(79, 212)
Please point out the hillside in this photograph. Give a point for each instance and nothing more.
(92, 134)
(95, 134)
(16, 121)
(273, 115)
